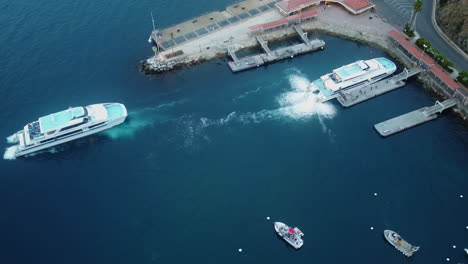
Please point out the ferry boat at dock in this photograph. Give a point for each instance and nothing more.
(290, 235)
(399, 243)
(352, 76)
(65, 126)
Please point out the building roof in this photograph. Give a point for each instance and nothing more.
(285, 20)
(428, 60)
(357, 4)
(293, 5)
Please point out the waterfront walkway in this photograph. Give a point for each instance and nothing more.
(442, 78)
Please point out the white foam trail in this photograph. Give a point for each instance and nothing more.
(247, 93)
(11, 139)
(10, 153)
(129, 128)
(140, 119)
(300, 102)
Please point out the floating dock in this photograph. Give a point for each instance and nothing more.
(356, 96)
(413, 118)
(271, 56)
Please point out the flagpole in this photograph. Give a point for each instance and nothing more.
(152, 19)
(155, 49)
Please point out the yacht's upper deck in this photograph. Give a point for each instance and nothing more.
(60, 119)
(352, 70)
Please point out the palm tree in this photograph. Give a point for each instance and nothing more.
(417, 7)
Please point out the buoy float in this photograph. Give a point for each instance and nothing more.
(375, 194)
(461, 195)
(447, 259)
(454, 246)
(268, 218)
(240, 249)
(371, 228)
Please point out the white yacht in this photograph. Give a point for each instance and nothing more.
(291, 235)
(352, 76)
(67, 125)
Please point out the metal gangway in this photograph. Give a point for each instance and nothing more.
(405, 74)
(232, 52)
(264, 44)
(438, 107)
(302, 34)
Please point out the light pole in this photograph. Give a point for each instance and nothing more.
(422, 54)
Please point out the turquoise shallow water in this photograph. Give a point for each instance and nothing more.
(206, 155)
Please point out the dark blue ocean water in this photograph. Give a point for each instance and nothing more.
(206, 155)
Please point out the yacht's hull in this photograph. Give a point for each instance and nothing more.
(31, 149)
(294, 240)
(353, 76)
(325, 98)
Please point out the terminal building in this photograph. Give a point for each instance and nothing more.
(290, 7)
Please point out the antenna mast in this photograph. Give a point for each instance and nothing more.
(152, 19)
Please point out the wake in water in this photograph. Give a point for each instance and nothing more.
(247, 93)
(11, 139)
(140, 119)
(10, 153)
(300, 102)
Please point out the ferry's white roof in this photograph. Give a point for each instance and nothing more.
(97, 112)
(60, 119)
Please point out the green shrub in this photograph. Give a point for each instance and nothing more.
(408, 31)
(435, 54)
(463, 77)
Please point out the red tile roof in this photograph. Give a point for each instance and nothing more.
(284, 20)
(445, 77)
(309, 14)
(271, 24)
(290, 5)
(357, 4)
(428, 60)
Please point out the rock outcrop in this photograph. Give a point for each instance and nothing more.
(452, 18)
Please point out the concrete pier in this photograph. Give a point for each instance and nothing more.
(356, 96)
(279, 54)
(272, 56)
(413, 118)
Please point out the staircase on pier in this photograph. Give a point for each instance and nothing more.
(264, 44)
(302, 34)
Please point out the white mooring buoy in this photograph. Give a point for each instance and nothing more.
(268, 218)
(371, 228)
(240, 249)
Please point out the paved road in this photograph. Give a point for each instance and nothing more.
(398, 12)
(395, 12)
(426, 30)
